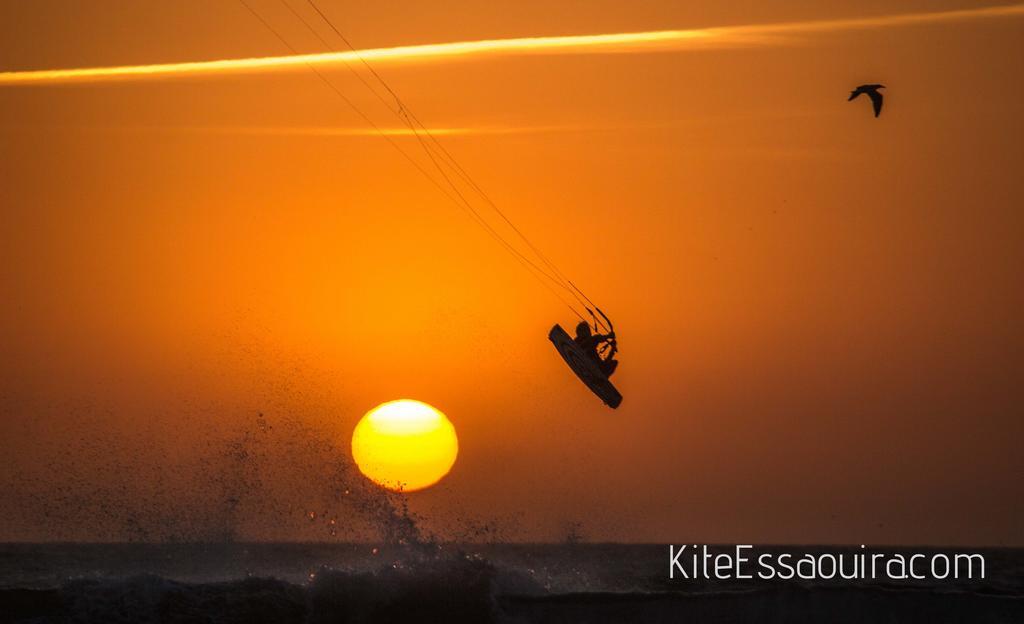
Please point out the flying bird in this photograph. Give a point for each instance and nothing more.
(872, 91)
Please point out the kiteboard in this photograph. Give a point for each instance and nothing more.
(585, 368)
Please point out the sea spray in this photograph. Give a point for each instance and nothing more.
(274, 476)
(264, 480)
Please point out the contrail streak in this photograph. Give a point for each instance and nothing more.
(651, 41)
(334, 131)
(337, 131)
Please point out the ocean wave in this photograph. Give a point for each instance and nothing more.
(471, 589)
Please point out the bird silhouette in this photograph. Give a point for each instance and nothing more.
(872, 91)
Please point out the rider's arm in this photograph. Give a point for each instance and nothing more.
(608, 340)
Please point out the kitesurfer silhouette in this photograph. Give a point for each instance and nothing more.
(596, 344)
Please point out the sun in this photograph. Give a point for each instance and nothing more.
(404, 445)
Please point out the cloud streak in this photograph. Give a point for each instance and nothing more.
(633, 42)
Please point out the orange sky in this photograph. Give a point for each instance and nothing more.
(819, 311)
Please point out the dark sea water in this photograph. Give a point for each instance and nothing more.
(320, 583)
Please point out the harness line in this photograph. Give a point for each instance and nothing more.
(553, 275)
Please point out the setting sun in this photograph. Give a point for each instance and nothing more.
(404, 445)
